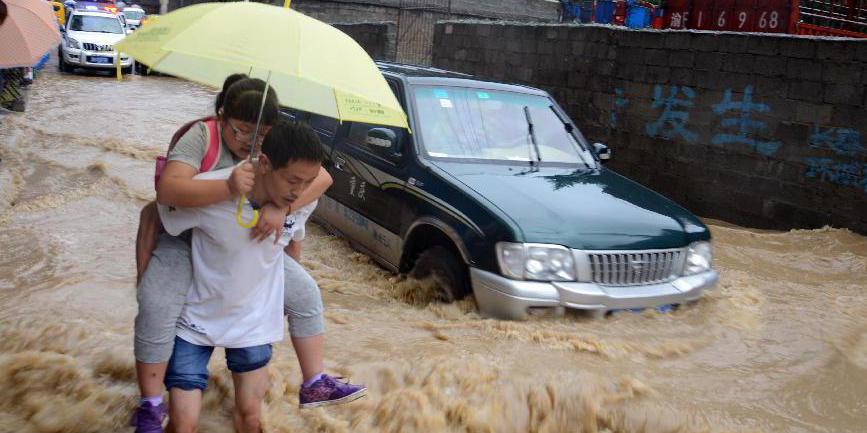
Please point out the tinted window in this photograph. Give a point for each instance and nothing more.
(324, 124)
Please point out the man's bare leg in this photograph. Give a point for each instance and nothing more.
(250, 388)
(184, 410)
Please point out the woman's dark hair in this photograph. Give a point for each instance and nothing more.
(292, 141)
(243, 99)
(231, 79)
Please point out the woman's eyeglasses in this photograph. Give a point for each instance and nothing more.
(247, 136)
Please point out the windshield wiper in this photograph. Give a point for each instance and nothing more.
(532, 134)
(569, 131)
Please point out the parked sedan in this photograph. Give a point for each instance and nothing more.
(495, 192)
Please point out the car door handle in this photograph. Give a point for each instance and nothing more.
(338, 163)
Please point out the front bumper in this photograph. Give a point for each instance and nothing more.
(86, 59)
(504, 298)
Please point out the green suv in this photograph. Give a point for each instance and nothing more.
(496, 193)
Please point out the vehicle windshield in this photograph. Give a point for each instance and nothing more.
(458, 122)
(91, 23)
(133, 14)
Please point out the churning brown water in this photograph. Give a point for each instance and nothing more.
(781, 346)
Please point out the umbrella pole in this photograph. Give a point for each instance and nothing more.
(253, 158)
(254, 147)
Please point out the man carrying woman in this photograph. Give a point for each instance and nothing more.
(166, 273)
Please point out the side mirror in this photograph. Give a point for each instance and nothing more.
(602, 151)
(383, 138)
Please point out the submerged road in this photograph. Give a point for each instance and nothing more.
(781, 346)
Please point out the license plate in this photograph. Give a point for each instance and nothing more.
(105, 60)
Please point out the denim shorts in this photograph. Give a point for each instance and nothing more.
(188, 366)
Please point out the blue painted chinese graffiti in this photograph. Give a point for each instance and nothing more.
(619, 102)
(843, 141)
(746, 125)
(672, 122)
(841, 173)
(741, 124)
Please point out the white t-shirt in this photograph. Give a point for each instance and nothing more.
(236, 298)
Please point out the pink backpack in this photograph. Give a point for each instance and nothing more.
(212, 155)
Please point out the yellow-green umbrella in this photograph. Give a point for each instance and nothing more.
(312, 66)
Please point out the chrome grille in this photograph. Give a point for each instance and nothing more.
(617, 268)
(97, 47)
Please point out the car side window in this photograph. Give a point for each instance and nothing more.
(381, 141)
(326, 125)
(395, 88)
(293, 114)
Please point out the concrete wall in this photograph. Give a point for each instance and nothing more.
(415, 19)
(354, 11)
(766, 131)
(378, 39)
(388, 10)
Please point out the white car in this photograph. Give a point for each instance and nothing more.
(88, 42)
(134, 14)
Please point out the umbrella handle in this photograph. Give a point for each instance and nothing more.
(239, 218)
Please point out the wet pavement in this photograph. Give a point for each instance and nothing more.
(780, 346)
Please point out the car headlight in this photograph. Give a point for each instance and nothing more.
(699, 256)
(540, 262)
(72, 43)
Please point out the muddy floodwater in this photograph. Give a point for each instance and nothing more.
(780, 346)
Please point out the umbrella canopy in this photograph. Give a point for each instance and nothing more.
(30, 30)
(314, 67)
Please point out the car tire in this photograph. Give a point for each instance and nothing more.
(127, 70)
(450, 272)
(61, 64)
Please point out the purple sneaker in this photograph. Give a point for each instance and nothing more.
(328, 390)
(149, 419)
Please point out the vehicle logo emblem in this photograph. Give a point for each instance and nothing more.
(637, 265)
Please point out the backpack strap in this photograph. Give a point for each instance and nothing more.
(212, 155)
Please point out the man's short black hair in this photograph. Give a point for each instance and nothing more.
(292, 141)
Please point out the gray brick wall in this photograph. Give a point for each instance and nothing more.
(766, 131)
(378, 39)
(341, 10)
(415, 19)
